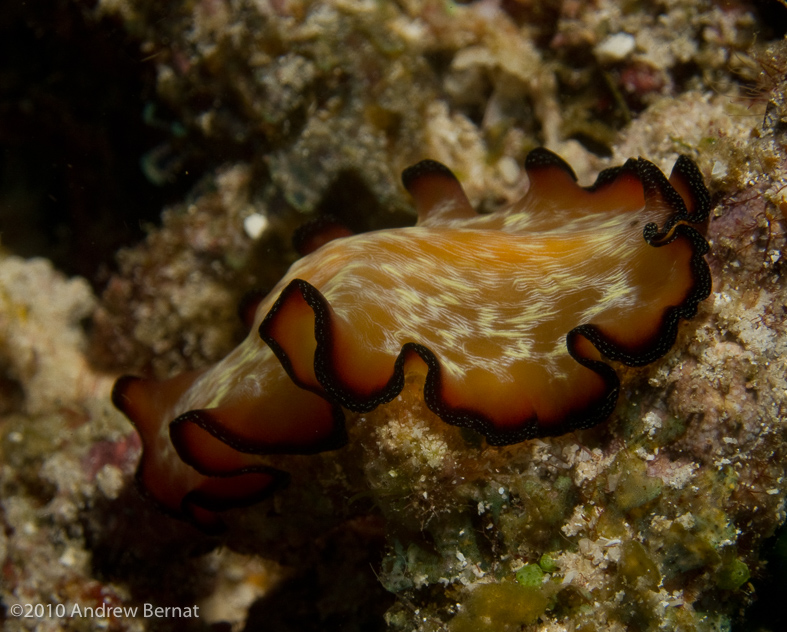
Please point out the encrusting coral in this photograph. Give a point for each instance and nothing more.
(48, 318)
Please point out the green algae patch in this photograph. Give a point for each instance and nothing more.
(530, 576)
(637, 567)
(499, 608)
(732, 575)
(547, 563)
(633, 486)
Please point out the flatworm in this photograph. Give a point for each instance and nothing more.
(512, 318)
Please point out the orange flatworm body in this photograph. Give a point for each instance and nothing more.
(512, 318)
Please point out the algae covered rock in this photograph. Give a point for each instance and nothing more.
(499, 607)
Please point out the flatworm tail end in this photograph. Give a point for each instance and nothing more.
(171, 484)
